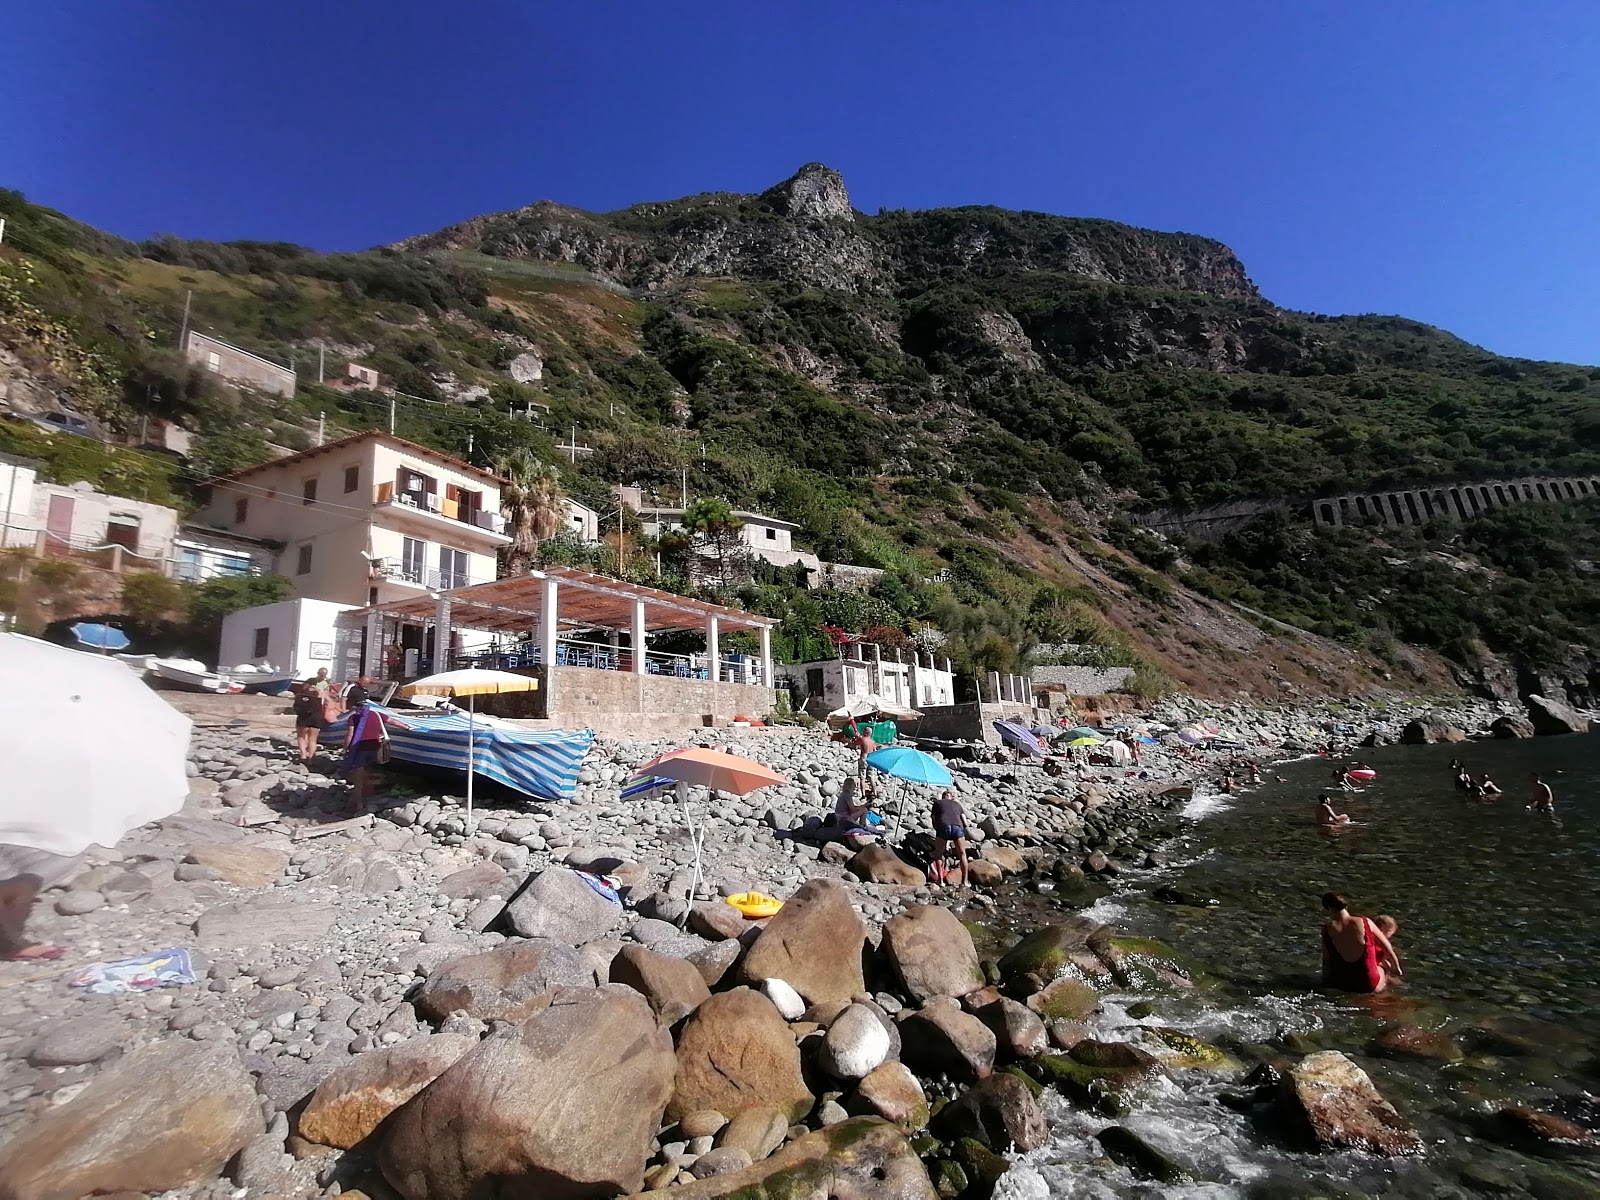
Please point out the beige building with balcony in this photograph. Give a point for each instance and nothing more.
(368, 519)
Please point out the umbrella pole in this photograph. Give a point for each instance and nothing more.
(471, 703)
(694, 840)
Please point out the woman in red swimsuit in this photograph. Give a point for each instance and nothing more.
(1354, 951)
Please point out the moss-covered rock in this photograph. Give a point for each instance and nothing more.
(983, 1168)
(1065, 1000)
(1047, 953)
(1190, 1053)
(859, 1159)
(949, 1180)
(1145, 965)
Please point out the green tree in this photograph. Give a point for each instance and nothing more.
(716, 533)
(531, 500)
(150, 598)
(214, 599)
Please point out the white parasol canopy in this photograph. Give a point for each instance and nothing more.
(90, 752)
(470, 682)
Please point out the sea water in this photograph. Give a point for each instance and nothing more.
(1500, 938)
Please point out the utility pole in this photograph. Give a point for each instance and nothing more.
(183, 333)
(319, 362)
(2, 229)
(322, 426)
(574, 446)
(391, 412)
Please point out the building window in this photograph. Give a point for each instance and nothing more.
(308, 492)
(772, 535)
(303, 567)
(814, 682)
(352, 478)
(213, 361)
(413, 560)
(259, 648)
(123, 530)
(452, 568)
(241, 510)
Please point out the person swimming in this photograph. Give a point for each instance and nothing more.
(1486, 788)
(1325, 813)
(1544, 800)
(1356, 954)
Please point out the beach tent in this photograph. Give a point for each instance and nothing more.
(1013, 734)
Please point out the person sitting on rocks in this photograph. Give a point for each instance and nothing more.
(1353, 949)
(851, 806)
(949, 825)
(1325, 813)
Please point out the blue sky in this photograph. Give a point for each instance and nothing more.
(1434, 158)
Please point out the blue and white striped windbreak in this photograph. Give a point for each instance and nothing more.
(541, 763)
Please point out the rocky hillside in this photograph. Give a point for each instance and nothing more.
(804, 231)
(972, 399)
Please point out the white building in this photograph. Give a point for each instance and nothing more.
(294, 635)
(768, 538)
(367, 519)
(919, 681)
(582, 520)
(67, 519)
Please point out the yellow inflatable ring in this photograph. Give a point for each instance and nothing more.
(754, 905)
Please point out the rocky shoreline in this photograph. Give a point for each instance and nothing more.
(396, 1007)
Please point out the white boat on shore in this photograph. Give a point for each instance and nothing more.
(191, 675)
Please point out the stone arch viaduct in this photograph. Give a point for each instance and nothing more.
(1414, 506)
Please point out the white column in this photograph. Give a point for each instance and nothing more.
(549, 616)
(766, 657)
(373, 654)
(441, 635)
(640, 638)
(994, 687)
(875, 671)
(713, 649)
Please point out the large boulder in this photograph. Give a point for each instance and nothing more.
(673, 986)
(940, 1039)
(349, 1104)
(507, 983)
(932, 953)
(734, 1052)
(1009, 859)
(1550, 717)
(165, 1116)
(814, 944)
(856, 1043)
(1405, 1041)
(557, 904)
(1337, 1108)
(241, 865)
(273, 919)
(879, 864)
(893, 1093)
(565, 1106)
(859, 1159)
(1511, 727)
(1429, 728)
(999, 1111)
(1019, 1031)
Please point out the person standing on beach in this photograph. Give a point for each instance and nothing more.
(949, 825)
(308, 720)
(364, 738)
(1544, 800)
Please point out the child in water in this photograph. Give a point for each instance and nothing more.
(1388, 956)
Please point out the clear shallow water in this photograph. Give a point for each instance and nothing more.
(1500, 936)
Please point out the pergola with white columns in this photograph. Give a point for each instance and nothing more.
(537, 609)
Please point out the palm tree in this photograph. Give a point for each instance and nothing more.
(531, 500)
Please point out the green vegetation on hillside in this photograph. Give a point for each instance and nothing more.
(971, 400)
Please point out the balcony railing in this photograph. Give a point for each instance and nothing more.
(428, 577)
(571, 652)
(432, 502)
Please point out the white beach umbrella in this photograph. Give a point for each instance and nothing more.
(89, 752)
